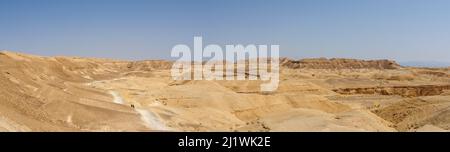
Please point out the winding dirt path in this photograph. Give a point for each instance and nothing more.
(149, 118)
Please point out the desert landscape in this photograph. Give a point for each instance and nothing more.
(89, 94)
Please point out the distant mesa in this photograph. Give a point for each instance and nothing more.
(339, 63)
(308, 63)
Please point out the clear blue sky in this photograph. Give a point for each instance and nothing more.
(405, 30)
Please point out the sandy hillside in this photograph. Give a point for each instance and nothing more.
(87, 94)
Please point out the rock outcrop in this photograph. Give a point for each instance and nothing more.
(338, 63)
(149, 65)
(405, 91)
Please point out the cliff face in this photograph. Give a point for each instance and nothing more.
(337, 63)
(405, 91)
